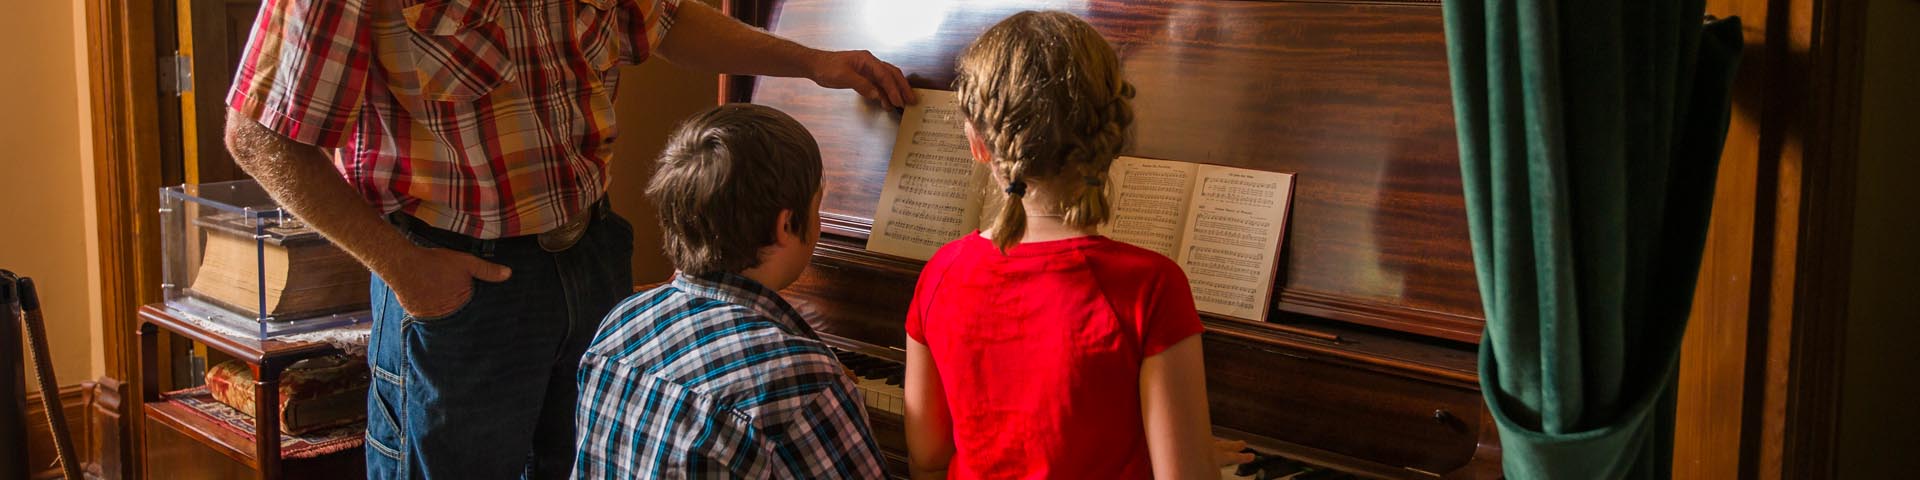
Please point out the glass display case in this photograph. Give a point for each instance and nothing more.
(233, 257)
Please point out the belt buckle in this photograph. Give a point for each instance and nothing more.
(562, 238)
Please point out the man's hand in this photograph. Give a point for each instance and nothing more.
(862, 72)
(705, 39)
(428, 282)
(436, 282)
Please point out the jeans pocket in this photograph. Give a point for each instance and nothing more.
(386, 432)
(473, 291)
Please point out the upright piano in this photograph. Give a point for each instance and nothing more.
(1366, 367)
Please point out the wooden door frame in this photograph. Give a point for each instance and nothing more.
(124, 97)
(1799, 100)
(1816, 50)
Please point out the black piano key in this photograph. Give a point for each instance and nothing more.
(1279, 469)
(897, 379)
(862, 364)
(1252, 466)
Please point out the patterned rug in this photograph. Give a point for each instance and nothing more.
(304, 446)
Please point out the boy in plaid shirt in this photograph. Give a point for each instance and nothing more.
(714, 375)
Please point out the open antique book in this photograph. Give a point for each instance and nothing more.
(1222, 225)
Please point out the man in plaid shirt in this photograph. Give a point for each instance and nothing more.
(714, 375)
(459, 149)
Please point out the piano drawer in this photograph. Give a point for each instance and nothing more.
(1361, 411)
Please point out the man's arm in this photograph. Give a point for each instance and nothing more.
(704, 38)
(428, 282)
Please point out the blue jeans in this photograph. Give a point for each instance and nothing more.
(488, 391)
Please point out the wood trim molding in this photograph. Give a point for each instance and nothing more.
(1816, 302)
(124, 93)
(123, 89)
(93, 416)
(1781, 292)
(109, 448)
(1808, 144)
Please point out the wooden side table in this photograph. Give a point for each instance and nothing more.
(268, 358)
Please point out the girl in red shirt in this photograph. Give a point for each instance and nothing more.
(1037, 348)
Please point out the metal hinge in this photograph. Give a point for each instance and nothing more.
(176, 74)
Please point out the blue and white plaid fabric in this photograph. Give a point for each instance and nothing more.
(717, 377)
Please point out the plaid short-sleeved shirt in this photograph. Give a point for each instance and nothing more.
(716, 377)
(491, 118)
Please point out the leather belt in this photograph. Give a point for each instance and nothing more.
(556, 240)
(564, 236)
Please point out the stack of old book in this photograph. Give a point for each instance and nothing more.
(302, 274)
(315, 394)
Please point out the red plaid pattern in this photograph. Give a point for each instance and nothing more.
(485, 117)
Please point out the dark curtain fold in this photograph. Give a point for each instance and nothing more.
(1590, 135)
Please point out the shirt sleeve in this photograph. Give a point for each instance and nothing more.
(828, 437)
(922, 299)
(1170, 313)
(924, 292)
(303, 73)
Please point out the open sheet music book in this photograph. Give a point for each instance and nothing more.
(1222, 225)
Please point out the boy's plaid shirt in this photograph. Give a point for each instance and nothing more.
(716, 376)
(491, 118)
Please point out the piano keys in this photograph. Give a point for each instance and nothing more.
(880, 381)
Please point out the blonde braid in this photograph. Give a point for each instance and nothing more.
(1044, 91)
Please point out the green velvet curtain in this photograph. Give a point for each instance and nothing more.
(1590, 135)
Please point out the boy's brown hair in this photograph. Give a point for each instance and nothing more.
(1045, 93)
(722, 181)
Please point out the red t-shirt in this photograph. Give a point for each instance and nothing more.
(1039, 351)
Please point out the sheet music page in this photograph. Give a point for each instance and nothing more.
(1234, 227)
(933, 187)
(1150, 203)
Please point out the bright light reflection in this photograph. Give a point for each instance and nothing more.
(896, 22)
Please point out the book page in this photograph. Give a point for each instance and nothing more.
(1235, 222)
(1149, 203)
(933, 186)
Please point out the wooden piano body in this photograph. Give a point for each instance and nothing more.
(1368, 363)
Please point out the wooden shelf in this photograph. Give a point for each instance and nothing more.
(267, 357)
(192, 424)
(244, 349)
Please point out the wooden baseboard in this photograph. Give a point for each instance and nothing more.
(95, 418)
(43, 464)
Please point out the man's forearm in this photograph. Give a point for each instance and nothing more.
(706, 39)
(303, 180)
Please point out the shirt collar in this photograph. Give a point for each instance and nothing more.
(739, 290)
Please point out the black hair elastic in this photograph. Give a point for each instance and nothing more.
(1093, 181)
(1017, 188)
